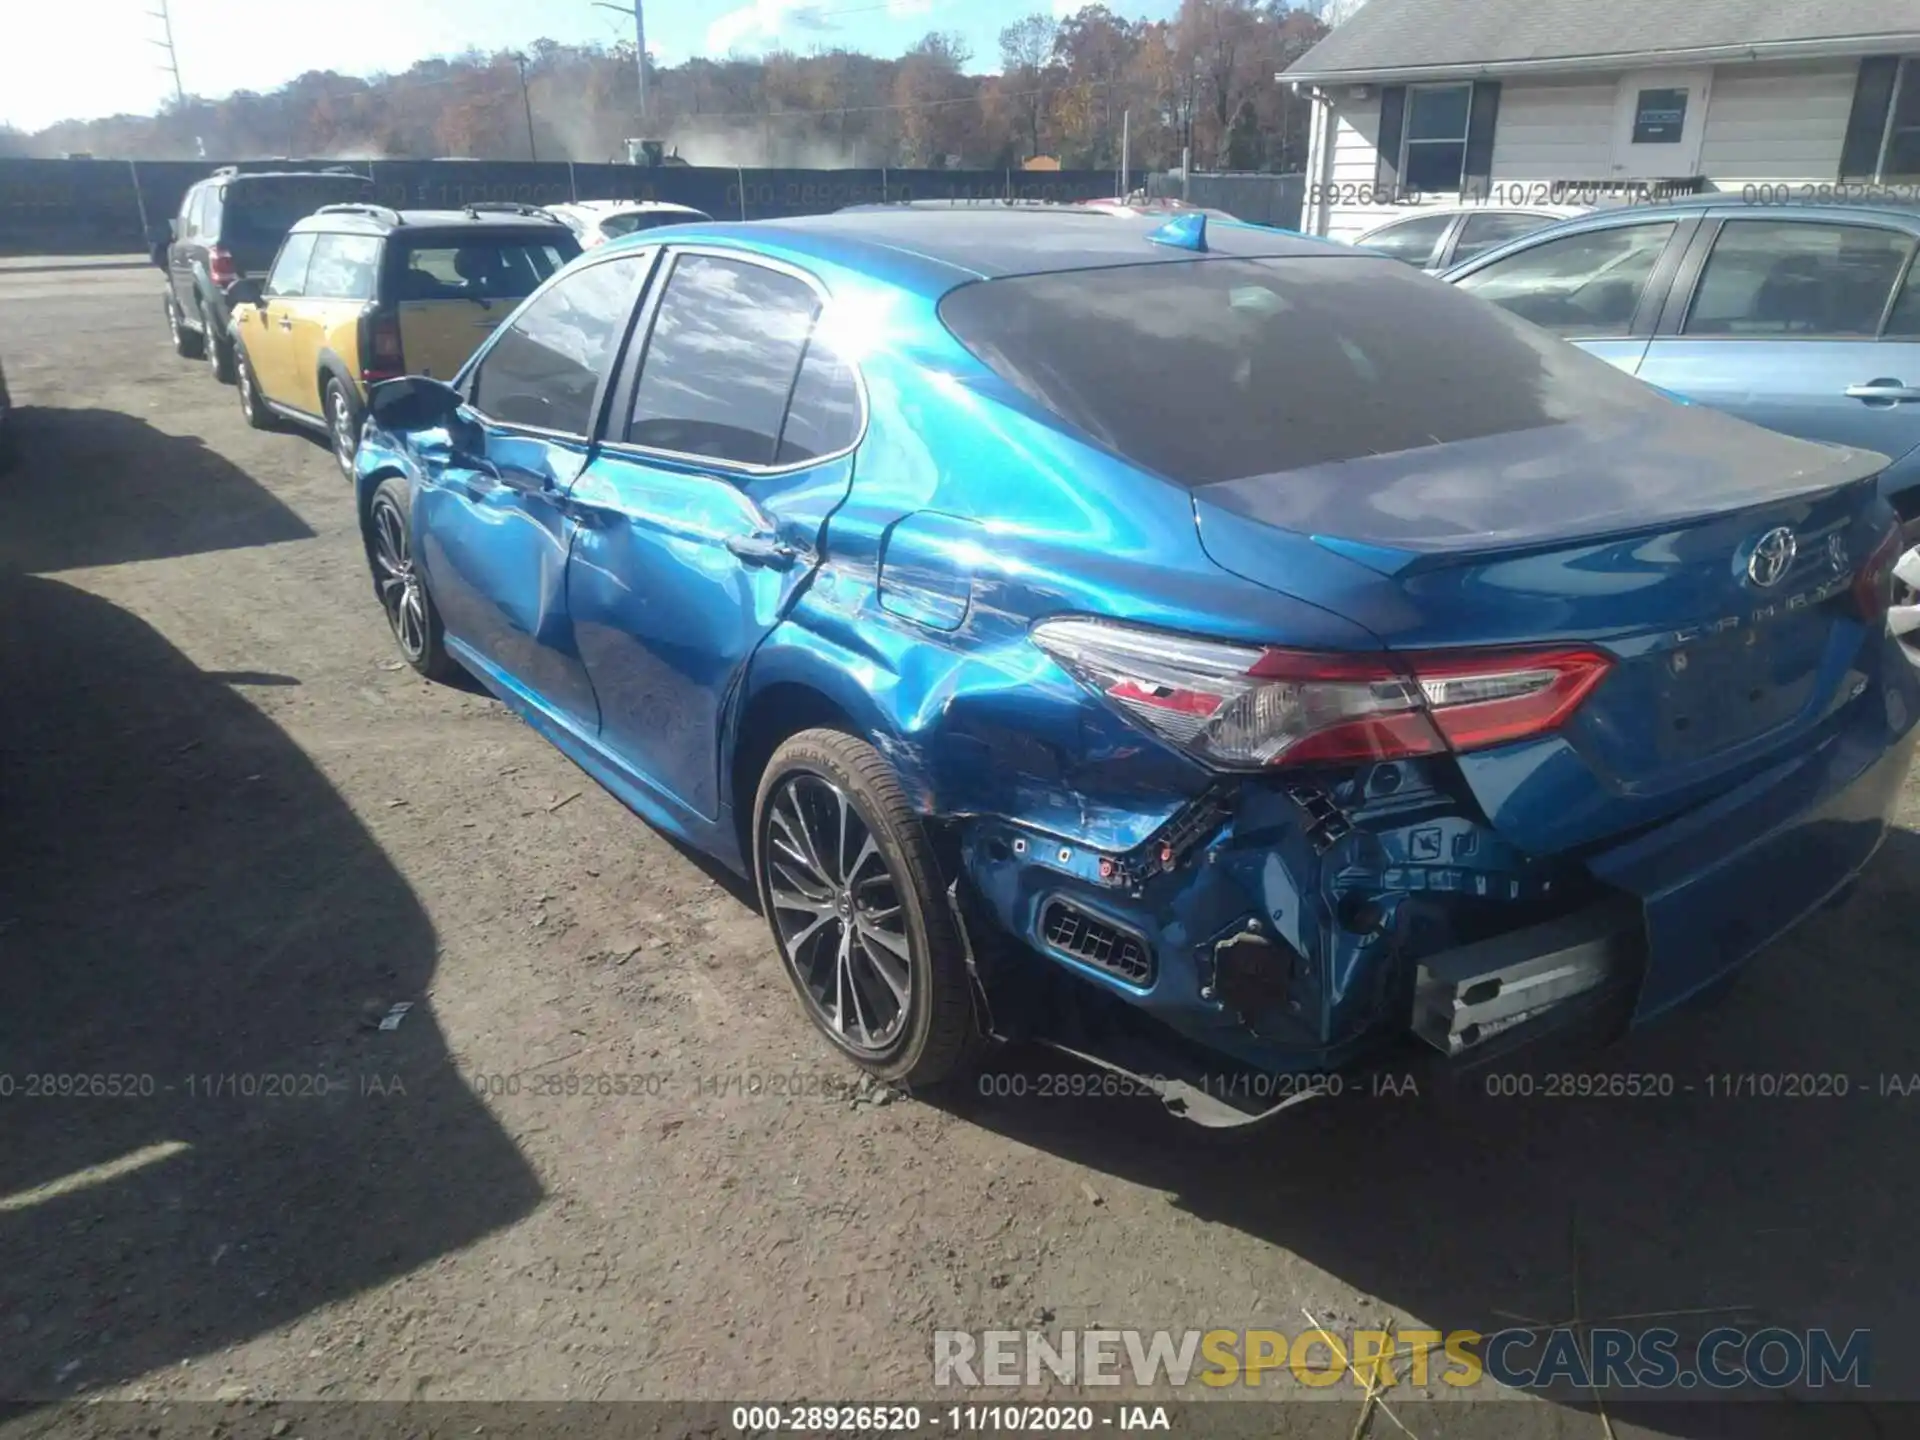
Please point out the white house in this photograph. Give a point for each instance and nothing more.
(1436, 101)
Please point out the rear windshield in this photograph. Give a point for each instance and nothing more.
(259, 212)
(479, 266)
(614, 226)
(1212, 370)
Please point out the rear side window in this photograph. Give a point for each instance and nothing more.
(345, 267)
(289, 276)
(545, 367)
(1482, 233)
(722, 359)
(823, 417)
(481, 267)
(1214, 370)
(1781, 277)
(1410, 240)
(1586, 285)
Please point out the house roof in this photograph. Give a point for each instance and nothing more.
(1417, 36)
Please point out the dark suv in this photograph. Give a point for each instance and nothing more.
(229, 227)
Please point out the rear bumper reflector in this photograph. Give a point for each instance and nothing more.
(1467, 996)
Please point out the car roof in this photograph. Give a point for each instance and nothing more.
(934, 249)
(1418, 212)
(622, 206)
(380, 220)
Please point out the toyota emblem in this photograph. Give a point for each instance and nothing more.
(1772, 557)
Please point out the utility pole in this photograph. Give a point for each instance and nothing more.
(527, 102)
(172, 67)
(639, 13)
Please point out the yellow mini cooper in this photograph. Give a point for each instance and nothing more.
(362, 293)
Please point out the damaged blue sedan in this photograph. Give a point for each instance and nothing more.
(1217, 653)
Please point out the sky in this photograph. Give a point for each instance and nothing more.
(96, 57)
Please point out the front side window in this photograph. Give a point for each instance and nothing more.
(545, 367)
(1435, 150)
(1217, 370)
(1482, 233)
(1408, 240)
(345, 267)
(289, 276)
(1587, 285)
(1775, 277)
(721, 362)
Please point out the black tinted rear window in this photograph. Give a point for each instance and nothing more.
(264, 209)
(1211, 370)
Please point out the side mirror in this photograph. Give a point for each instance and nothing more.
(244, 292)
(415, 402)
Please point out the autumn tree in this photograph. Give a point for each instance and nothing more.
(1029, 75)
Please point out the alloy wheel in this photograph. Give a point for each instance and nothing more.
(340, 426)
(839, 913)
(399, 582)
(173, 322)
(1903, 618)
(243, 379)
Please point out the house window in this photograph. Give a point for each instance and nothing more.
(1900, 150)
(1434, 154)
(1659, 117)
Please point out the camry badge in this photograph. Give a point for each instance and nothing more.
(1772, 557)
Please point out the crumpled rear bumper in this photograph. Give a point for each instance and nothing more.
(1646, 923)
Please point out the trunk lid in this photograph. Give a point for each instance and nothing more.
(1713, 560)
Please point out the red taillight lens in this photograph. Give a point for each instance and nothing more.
(380, 359)
(220, 267)
(1238, 707)
(1873, 583)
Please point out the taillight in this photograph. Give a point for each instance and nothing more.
(1873, 583)
(220, 267)
(1239, 707)
(380, 357)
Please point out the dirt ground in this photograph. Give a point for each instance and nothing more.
(235, 833)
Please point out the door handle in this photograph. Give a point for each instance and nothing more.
(1887, 392)
(286, 322)
(764, 550)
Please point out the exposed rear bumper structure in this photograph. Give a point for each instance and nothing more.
(1468, 997)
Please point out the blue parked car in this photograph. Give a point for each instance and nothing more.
(1217, 652)
(1801, 317)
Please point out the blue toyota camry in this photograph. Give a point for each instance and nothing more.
(1210, 650)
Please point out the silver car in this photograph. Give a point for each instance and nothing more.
(1436, 237)
(594, 222)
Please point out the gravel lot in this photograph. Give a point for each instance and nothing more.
(236, 833)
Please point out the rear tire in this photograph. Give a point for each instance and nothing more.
(343, 422)
(851, 890)
(411, 613)
(186, 343)
(218, 349)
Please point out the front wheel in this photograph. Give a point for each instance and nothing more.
(403, 595)
(253, 404)
(186, 344)
(850, 888)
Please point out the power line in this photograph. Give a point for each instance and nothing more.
(172, 66)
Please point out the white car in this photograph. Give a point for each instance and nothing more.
(595, 222)
(1438, 237)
